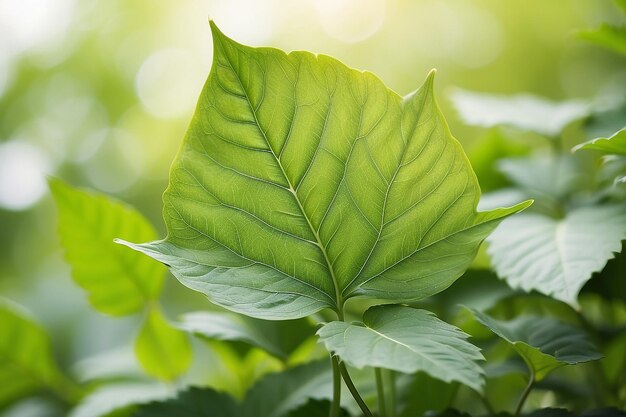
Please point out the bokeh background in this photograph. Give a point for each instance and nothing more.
(99, 93)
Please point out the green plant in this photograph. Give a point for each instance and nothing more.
(329, 214)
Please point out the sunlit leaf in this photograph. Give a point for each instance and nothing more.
(118, 281)
(163, 350)
(610, 37)
(616, 144)
(194, 402)
(26, 362)
(277, 338)
(557, 256)
(406, 340)
(544, 343)
(524, 111)
(302, 183)
(110, 398)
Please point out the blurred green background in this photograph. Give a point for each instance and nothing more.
(100, 93)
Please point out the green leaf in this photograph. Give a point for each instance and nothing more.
(111, 398)
(193, 402)
(163, 351)
(427, 394)
(406, 340)
(314, 408)
(277, 338)
(118, 282)
(557, 256)
(26, 361)
(607, 36)
(616, 144)
(302, 183)
(544, 343)
(524, 111)
(277, 394)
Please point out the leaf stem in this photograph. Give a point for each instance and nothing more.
(355, 393)
(380, 389)
(529, 387)
(335, 409)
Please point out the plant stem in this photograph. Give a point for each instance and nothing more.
(529, 387)
(335, 409)
(355, 393)
(380, 388)
(391, 410)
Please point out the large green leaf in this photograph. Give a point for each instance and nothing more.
(524, 111)
(543, 342)
(302, 183)
(616, 144)
(278, 338)
(118, 282)
(26, 361)
(163, 350)
(557, 256)
(406, 340)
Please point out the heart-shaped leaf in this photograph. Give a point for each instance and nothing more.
(557, 256)
(544, 343)
(406, 340)
(118, 282)
(615, 144)
(277, 338)
(302, 183)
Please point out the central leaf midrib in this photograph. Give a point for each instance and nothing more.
(318, 241)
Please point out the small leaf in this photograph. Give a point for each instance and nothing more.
(118, 282)
(557, 256)
(302, 183)
(524, 111)
(544, 343)
(616, 144)
(110, 398)
(607, 36)
(26, 362)
(277, 394)
(277, 338)
(406, 340)
(193, 402)
(162, 350)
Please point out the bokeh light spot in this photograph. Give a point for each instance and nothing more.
(351, 20)
(22, 175)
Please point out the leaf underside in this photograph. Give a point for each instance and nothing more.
(544, 342)
(406, 340)
(557, 256)
(302, 183)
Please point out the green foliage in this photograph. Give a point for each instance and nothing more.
(118, 281)
(524, 112)
(608, 36)
(290, 161)
(557, 256)
(278, 338)
(162, 350)
(406, 340)
(194, 402)
(544, 343)
(615, 144)
(26, 361)
(120, 399)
